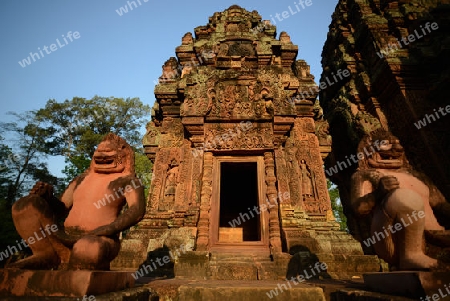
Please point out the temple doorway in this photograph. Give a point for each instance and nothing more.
(238, 193)
(238, 197)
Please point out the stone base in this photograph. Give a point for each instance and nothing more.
(15, 282)
(412, 284)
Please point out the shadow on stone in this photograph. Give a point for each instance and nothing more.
(305, 263)
(159, 263)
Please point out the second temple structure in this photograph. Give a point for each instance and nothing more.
(237, 141)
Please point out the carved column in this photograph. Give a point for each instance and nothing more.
(205, 203)
(271, 193)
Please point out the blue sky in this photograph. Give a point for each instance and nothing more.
(117, 55)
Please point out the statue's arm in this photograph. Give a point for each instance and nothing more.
(362, 196)
(370, 187)
(67, 196)
(131, 216)
(134, 213)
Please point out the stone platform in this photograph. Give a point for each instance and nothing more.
(15, 282)
(218, 290)
(150, 289)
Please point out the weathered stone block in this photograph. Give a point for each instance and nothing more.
(194, 265)
(236, 271)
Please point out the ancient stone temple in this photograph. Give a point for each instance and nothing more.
(398, 55)
(237, 142)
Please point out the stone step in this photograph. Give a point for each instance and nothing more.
(249, 290)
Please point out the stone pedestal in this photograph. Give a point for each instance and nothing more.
(435, 285)
(15, 282)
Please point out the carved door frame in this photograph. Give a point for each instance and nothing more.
(262, 244)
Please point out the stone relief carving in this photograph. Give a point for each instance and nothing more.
(170, 187)
(303, 153)
(308, 181)
(246, 100)
(231, 136)
(152, 134)
(172, 133)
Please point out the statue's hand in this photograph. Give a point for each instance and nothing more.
(106, 230)
(386, 185)
(43, 190)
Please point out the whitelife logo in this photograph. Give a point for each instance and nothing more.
(52, 48)
(113, 197)
(341, 165)
(378, 236)
(319, 267)
(429, 118)
(391, 48)
(124, 9)
(49, 229)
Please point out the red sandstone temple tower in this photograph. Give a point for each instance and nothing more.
(237, 141)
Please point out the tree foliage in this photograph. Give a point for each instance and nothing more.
(8, 235)
(80, 125)
(336, 205)
(20, 167)
(22, 159)
(143, 168)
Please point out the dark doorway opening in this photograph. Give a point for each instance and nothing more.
(238, 197)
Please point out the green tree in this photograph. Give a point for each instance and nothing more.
(336, 205)
(23, 163)
(80, 125)
(13, 173)
(143, 168)
(8, 235)
(6, 155)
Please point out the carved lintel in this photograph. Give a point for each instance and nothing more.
(235, 136)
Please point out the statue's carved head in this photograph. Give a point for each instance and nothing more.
(113, 155)
(381, 149)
